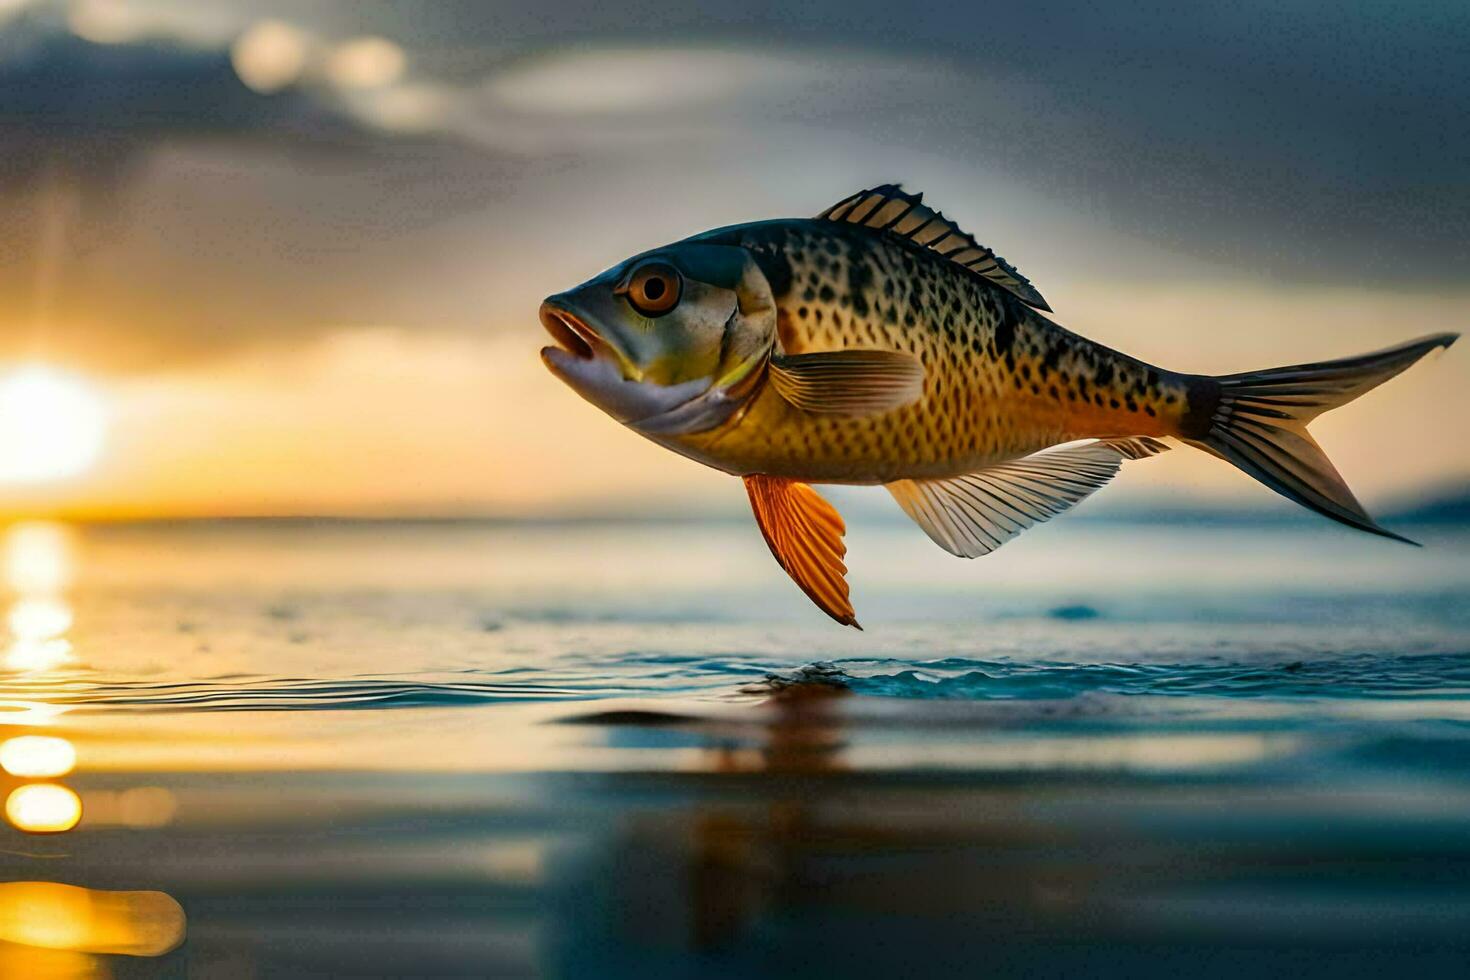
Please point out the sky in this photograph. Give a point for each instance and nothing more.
(294, 250)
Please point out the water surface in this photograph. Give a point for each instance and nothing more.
(633, 750)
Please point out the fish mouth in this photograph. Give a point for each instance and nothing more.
(572, 334)
(600, 372)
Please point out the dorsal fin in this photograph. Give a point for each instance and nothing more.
(888, 208)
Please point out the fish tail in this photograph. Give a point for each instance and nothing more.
(1258, 422)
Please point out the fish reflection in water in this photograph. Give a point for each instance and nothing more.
(784, 824)
(720, 867)
(741, 864)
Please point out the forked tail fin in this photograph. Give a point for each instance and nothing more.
(1258, 421)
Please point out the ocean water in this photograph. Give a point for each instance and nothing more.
(620, 749)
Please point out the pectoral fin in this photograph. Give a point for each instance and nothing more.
(849, 382)
(974, 514)
(804, 532)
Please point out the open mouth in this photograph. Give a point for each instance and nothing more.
(570, 332)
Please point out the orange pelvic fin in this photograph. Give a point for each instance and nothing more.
(804, 532)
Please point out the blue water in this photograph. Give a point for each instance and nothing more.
(1438, 676)
(635, 750)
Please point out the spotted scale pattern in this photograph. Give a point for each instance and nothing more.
(1001, 380)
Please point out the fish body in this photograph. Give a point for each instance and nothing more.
(1000, 379)
(878, 343)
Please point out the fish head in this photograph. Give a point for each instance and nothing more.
(671, 341)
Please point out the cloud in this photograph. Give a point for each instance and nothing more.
(644, 81)
(1306, 163)
(430, 166)
(154, 207)
(66, 95)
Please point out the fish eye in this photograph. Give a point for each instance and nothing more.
(654, 288)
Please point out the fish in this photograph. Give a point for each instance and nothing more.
(878, 343)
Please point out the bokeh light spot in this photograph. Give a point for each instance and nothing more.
(32, 656)
(365, 63)
(105, 21)
(40, 618)
(43, 808)
(37, 756)
(141, 807)
(50, 915)
(38, 557)
(270, 56)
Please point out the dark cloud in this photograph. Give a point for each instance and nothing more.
(1317, 140)
(1313, 142)
(75, 104)
(152, 207)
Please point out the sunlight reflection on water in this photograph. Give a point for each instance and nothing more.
(50, 929)
(54, 916)
(43, 808)
(38, 568)
(37, 756)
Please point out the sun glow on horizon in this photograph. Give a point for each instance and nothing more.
(52, 425)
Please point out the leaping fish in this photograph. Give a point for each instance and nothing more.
(878, 343)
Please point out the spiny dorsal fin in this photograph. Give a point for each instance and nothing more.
(888, 208)
(804, 532)
(849, 382)
(974, 514)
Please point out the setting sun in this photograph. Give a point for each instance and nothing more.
(51, 425)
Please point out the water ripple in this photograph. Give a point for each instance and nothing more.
(1439, 676)
(1428, 676)
(287, 694)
